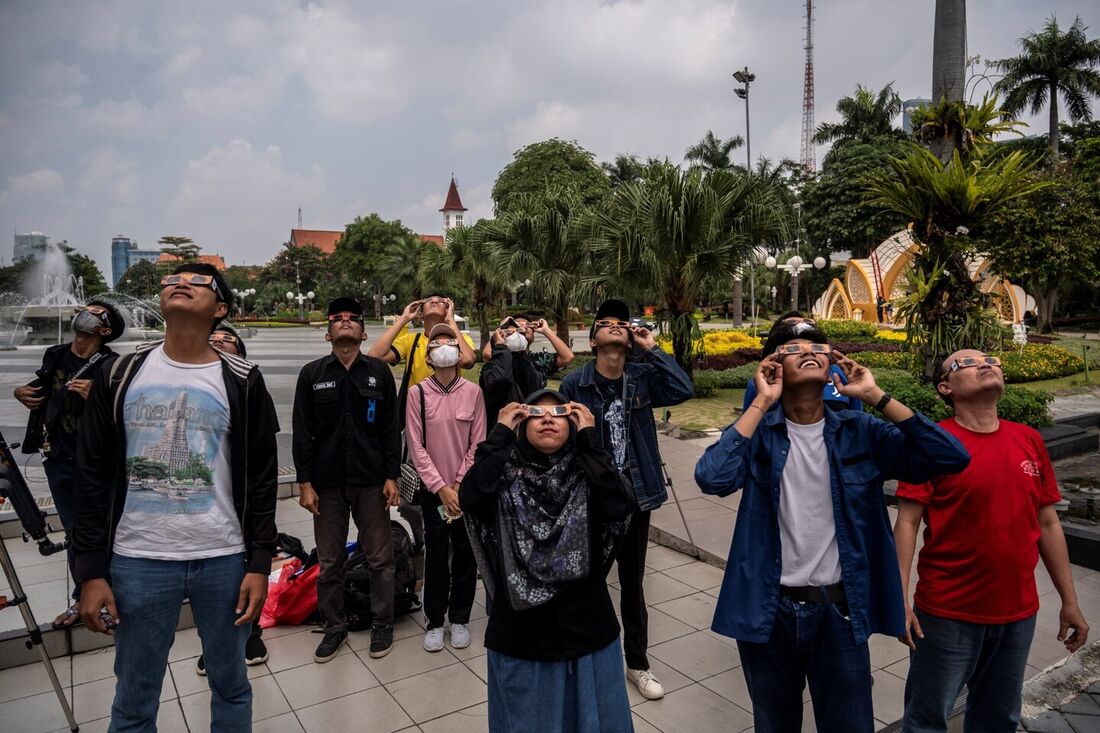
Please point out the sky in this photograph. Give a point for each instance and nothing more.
(217, 120)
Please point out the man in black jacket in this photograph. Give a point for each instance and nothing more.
(177, 465)
(347, 454)
(56, 400)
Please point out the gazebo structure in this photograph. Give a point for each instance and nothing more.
(871, 283)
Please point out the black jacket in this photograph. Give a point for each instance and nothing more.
(101, 461)
(53, 405)
(580, 618)
(345, 424)
(509, 377)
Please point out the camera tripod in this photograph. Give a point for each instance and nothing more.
(13, 488)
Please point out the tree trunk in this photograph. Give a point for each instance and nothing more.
(1045, 299)
(948, 63)
(738, 302)
(1054, 121)
(561, 320)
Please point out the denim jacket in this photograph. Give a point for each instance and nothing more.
(863, 452)
(655, 381)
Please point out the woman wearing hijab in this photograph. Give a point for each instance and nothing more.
(546, 510)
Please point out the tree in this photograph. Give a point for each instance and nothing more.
(550, 165)
(624, 169)
(712, 153)
(400, 265)
(948, 62)
(1053, 63)
(674, 229)
(142, 467)
(85, 267)
(834, 203)
(470, 261)
(141, 280)
(865, 116)
(360, 254)
(182, 248)
(1048, 240)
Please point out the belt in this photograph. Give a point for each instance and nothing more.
(815, 594)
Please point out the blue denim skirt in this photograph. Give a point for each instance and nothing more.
(586, 695)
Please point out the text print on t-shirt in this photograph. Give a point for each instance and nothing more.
(173, 438)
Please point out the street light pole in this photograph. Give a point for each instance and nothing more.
(744, 76)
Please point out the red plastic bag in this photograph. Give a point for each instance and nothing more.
(292, 598)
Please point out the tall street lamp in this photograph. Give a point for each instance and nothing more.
(241, 295)
(743, 76)
(795, 266)
(301, 298)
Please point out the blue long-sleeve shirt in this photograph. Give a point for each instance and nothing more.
(863, 452)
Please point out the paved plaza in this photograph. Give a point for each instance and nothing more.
(412, 689)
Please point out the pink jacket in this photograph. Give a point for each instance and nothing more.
(455, 415)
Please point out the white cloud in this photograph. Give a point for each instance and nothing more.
(42, 182)
(111, 179)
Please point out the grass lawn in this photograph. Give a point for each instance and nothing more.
(705, 413)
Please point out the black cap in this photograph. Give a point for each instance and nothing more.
(539, 394)
(114, 318)
(341, 305)
(782, 334)
(610, 308)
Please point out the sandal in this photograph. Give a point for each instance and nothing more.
(69, 617)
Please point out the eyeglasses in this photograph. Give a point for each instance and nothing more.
(609, 324)
(223, 338)
(552, 410)
(190, 278)
(434, 301)
(94, 309)
(786, 349)
(795, 320)
(345, 316)
(973, 361)
(437, 344)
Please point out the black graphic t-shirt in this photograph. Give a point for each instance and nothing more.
(64, 408)
(614, 418)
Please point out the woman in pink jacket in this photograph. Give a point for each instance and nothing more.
(445, 420)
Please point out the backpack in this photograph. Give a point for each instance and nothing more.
(357, 582)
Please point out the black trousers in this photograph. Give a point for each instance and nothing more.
(631, 562)
(450, 571)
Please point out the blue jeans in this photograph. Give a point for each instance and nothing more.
(61, 477)
(810, 641)
(990, 659)
(148, 594)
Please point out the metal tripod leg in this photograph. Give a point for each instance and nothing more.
(676, 501)
(19, 599)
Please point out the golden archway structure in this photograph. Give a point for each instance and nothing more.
(881, 276)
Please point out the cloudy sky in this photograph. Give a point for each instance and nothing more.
(218, 120)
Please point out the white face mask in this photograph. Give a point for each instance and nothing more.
(516, 342)
(445, 356)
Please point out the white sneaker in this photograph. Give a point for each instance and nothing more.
(433, 640)
(646, 682)
(460, 636)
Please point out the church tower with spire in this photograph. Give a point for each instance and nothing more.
(453, 211)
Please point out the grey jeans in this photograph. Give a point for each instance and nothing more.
(367, 506)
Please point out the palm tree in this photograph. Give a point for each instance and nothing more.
(624, 169)
(545, 239)
(469, 262)
(864, 116)
(400, 264)
(675, 230)
(712, 153)
(1053, 63)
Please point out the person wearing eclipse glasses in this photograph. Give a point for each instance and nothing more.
(347, 455)
(177, 468)
(622, 393)
(812, 569)
(56, 398)
(985, 530)
(444, 422)
(546, 509)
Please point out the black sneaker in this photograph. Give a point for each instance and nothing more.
(200, 666)
(381, 640)
(255, 651)
(328, 647)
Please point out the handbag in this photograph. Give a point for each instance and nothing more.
(408, 482)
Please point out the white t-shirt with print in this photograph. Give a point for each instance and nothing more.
(179, 504)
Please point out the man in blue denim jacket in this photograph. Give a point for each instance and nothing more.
(812, 570)
(622, 394)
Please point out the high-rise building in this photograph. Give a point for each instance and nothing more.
(125, 254)
(907, 108)
(29, 245)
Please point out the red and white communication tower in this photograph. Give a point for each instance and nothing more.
(809, 157)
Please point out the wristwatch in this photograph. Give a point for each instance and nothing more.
(882, 403)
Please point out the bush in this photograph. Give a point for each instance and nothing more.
(735, 378)
(1018, 404)
(717, 342)
(855, 347)
(876, 360)
(707, 383)
(849, 330)
(728, 361)
(1039, 361)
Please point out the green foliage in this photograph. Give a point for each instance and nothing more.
(472, 263)
(716, 379)
(875, 360)
(142, 467)
(195, 471)
(968, 127)
(707, 383)
(141, 280)
(182, 248)
(848, 330)
(1040, 361)
(85, 267)
(372, 252)
(713, 153)
(864, 116)
(1027, 406)
(551, 165)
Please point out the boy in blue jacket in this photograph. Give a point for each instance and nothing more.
(812, 570)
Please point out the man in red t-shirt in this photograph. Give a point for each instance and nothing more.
(985, 529)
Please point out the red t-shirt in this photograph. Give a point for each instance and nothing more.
(981, 541)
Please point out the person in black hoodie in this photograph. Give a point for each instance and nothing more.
(56, 400)
(177, 468)
(546, 512)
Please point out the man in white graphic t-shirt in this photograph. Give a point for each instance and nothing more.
(177, 460)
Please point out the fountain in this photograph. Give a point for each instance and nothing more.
(43, 315)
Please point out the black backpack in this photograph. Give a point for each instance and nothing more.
(357, 582)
